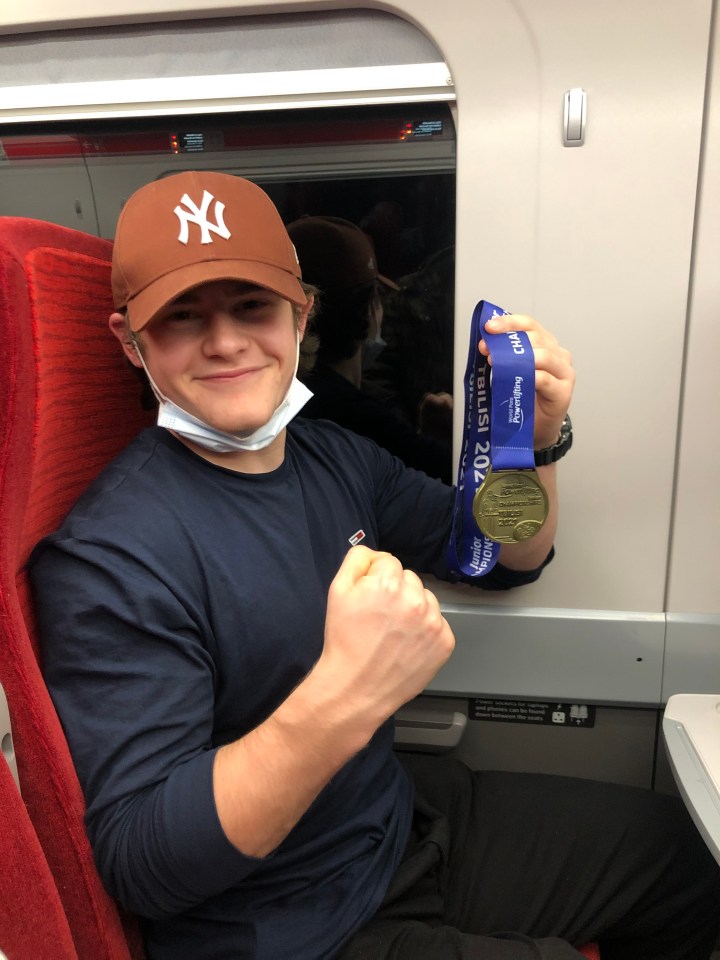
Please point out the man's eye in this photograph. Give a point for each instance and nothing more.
(249, 306)
(254, 303)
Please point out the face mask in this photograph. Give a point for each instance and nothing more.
(372, 348)
(184, 424)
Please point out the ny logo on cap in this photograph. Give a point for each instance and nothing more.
(198, 215)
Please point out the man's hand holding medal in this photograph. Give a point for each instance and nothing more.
(554, 374)
(518, 385)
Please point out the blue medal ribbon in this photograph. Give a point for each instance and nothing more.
(498, 432)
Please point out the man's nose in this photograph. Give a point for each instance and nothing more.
(224, 333)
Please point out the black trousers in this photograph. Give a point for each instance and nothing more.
(504, 866)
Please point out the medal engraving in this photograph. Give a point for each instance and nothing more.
(510, 505)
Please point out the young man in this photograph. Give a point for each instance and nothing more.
(226, 667)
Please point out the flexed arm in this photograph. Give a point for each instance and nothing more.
(385, 638)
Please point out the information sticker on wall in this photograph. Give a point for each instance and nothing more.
(549, 713)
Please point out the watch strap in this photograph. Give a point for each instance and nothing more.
(558, 449)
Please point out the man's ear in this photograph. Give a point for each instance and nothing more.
(304, 314)
(118, 325)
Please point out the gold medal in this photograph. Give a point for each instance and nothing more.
(510, 505)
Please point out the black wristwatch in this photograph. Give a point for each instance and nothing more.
(559, 448)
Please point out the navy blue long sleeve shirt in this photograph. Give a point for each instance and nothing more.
(178, 605)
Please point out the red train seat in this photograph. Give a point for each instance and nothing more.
(69, 403)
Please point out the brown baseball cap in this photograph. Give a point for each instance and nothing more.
(335, 253)
(194, 227)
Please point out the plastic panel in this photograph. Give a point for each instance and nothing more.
(692, 654)
(541, 654)
(691, 726)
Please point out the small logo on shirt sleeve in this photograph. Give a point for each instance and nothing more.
(357, 537)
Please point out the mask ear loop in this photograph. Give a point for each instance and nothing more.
(297, 357)
(135, 343)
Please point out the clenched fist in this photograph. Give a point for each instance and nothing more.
(385, 637)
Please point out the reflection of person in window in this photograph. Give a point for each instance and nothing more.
(338, 258)
(418, 325)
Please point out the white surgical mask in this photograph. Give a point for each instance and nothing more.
(184, 424)
(372, 348)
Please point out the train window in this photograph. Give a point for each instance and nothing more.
(390, 169)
